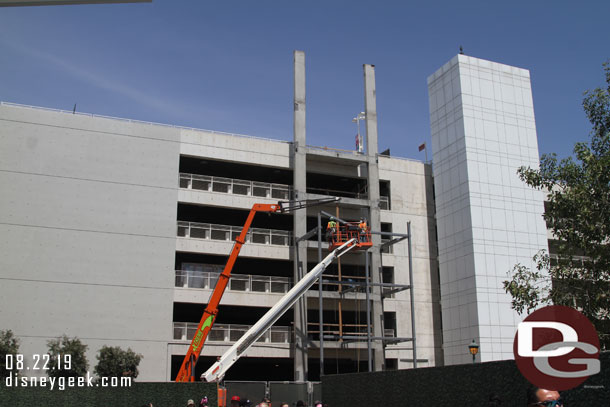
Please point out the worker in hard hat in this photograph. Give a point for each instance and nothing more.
(363, 227)
(331, 229)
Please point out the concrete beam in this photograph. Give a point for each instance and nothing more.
(370, 109)
(299, 159)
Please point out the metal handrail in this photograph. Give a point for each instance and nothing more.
(184, 331)
(234, 186)
(331, 149)
(393, 157)
(209, 231)
(247, 282)
(238, 282)
(347, 329)
(331, 192)
(356, 153)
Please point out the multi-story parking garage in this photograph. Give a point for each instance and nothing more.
(115, 231)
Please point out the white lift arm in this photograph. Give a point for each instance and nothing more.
(218, 369)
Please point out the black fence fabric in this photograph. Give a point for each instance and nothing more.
(137, 395)
(454, 386)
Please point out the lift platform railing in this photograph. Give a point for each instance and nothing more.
(347, 231)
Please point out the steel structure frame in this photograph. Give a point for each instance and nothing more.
(366, 286)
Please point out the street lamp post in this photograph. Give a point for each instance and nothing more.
(474, 349)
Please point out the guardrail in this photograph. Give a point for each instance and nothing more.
(237, 282)
(184, 331)
(234, 186)
(332, 192)
(251, 283)
(324, 148)
(209, 231)
(346, 329)
(261, 189)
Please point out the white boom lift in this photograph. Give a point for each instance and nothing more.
(218, 369)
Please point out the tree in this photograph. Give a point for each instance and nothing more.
(58, 363)
(578, 213)
(9, 345)
(116, 362)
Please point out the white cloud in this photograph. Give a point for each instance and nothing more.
(89, 76)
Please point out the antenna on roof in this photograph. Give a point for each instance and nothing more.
(74, 110)
(461, 50)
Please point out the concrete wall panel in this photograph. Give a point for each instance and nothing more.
(224, 248)
(221, 199)
(88, 224)
(231, 148)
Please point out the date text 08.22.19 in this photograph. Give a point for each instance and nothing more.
(39, 362)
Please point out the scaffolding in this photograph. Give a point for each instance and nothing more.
(387, 289)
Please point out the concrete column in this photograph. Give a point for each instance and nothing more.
(370, 106)
(300, 216)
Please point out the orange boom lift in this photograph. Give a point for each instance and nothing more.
(187, 370)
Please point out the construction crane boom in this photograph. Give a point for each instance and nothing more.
(218, 369)
(187, 369)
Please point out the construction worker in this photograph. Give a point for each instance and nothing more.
(363, 229)
(331, 229)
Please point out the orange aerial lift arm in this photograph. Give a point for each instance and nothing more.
(187, 370)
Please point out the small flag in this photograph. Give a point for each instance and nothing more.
(422, 146)
(359, 143)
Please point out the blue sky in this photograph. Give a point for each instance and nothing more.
(227, 66)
